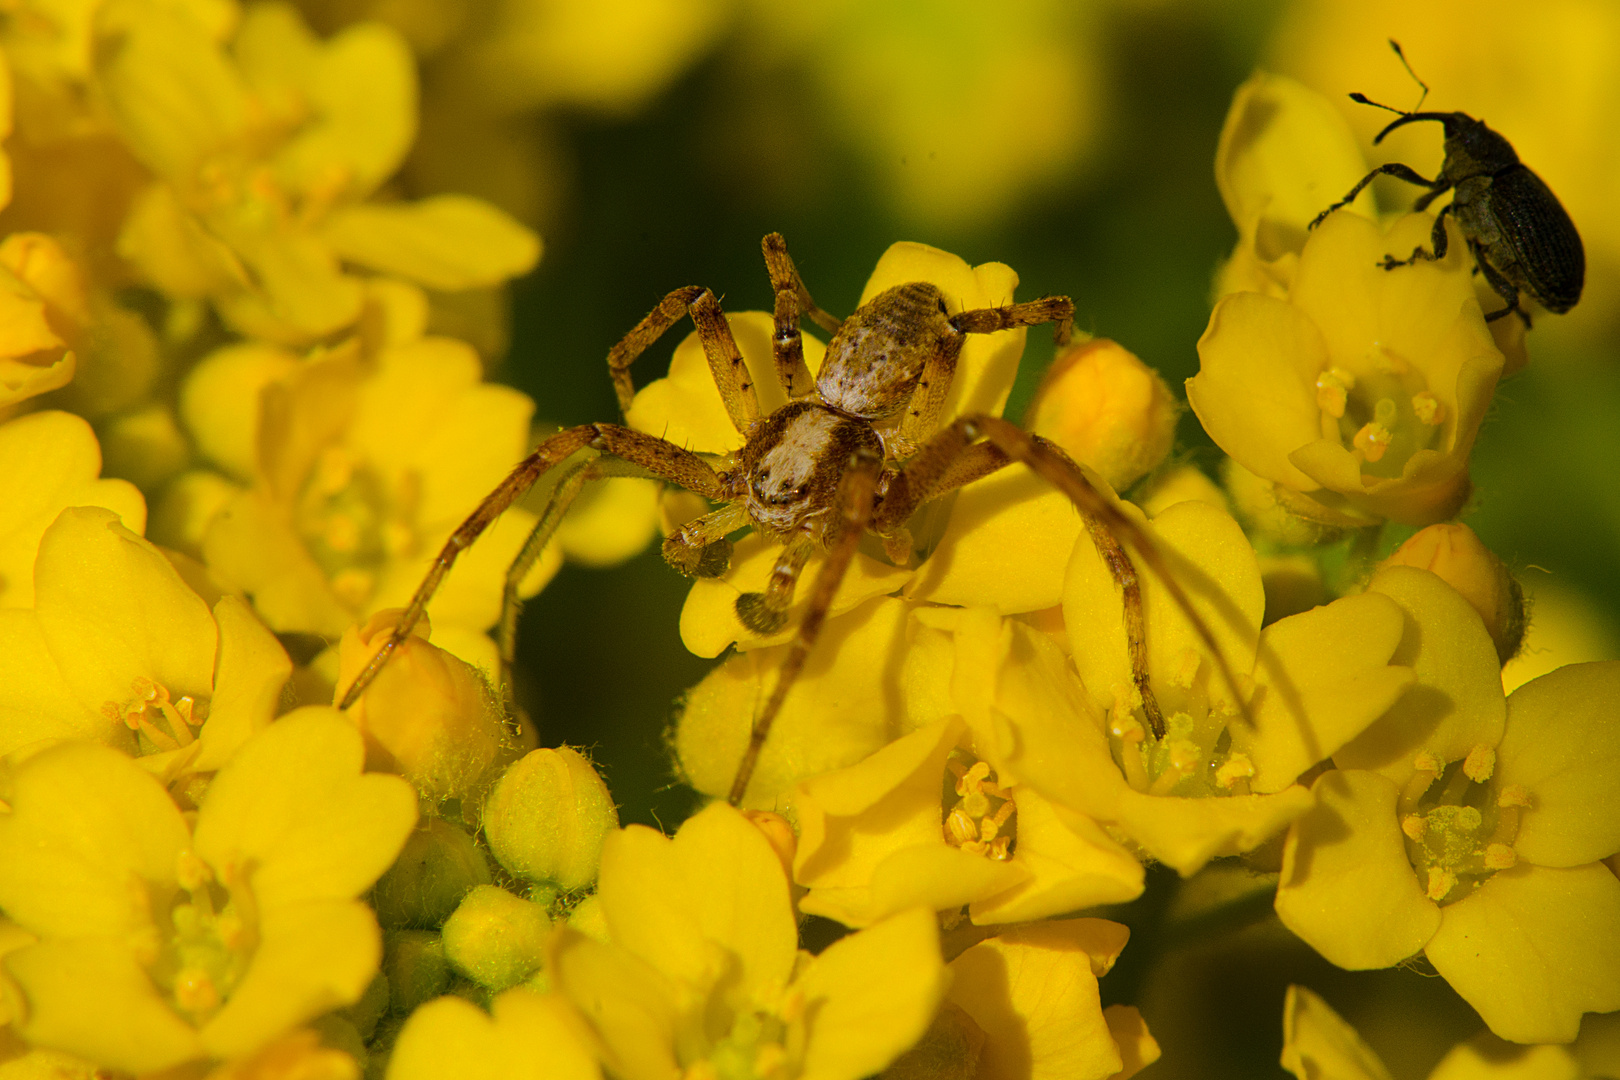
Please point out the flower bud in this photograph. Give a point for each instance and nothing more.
(435, 869)
(1458, 557)
(43, 313)
(547, 818)
(1107, 409)
(496, 939)
(428, 716)
(416, 968)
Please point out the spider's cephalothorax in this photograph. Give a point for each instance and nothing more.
(856, 451)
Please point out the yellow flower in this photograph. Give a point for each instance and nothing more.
(875, 839)
(49, 461)
(363, 466)
(525, 1036)
(1491, 865)
(1032, 994)
(162, 942)
(702, 969)
(1107, 409)
(1212, 785)
(1360, 395)
(120, 649)
(263, 156)
(44, 315)
(1286, 153)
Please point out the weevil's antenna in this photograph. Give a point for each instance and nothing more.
(1363, 99)
(1408, 66)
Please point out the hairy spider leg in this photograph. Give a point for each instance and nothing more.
(1057, 468)
(793, 303)
(856, 491)
(767, 612)
(659, 457)
(731, 374)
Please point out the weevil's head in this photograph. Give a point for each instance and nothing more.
(1472, 148)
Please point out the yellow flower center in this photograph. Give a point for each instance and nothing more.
(351, 525)
(1385, 415)
(751, 1050)
(210, 940)
(1195, 757)
(981, 819)
(162, 721)
(1459, 826)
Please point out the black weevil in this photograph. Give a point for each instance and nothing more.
(1520, 234)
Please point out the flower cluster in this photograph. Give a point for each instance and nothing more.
(208, 870)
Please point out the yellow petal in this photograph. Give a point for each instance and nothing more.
(1318, 1043)
(300, 293)
(35, 703)
(253, 667)
(220, 403)
(1006, 544)
(845, 705)
(1285, 154)
(1325, 678)
(616, 524)
(1034, 992)
(114, 610)
(172, 93)
(312, 957)
(1255, 391)
(871, 995)
(1533, 948)
(1347, 888)
(525, 1036)
(447, 242)
(294, 805)
(718, 882)
(1486, 1057)
(932, 875)
(89, 997)
(1562, 744)
(1457, 703)
(48, 461)
(1073, 865)
(174, 251)
(630, 1003)
(250, 545)
(709, 620)
(90, 840)
(989, 362)
(1185, 833)
(1137, 1046)
(1215, 565)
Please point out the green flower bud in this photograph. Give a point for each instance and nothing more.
(496, 939)
(437, 866)
(416, 968)
(547, 818)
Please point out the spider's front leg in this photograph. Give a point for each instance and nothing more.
(856, 491)
(658, 457)
(793, 303)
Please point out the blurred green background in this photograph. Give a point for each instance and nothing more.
(776, 120)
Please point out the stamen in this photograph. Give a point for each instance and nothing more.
(1441, 882)
(1514, 795)
(1500, 857)
(1480, 763)
(1373, 440)
(194, 991)
(1236, 769)
(1415, 826)
(960, 829)
(1186, 672)
(1332, 391)
(1428, 409)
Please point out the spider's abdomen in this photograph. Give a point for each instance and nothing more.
(793, 462)
(874, 361)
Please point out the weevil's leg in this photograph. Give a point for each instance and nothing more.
(793, 302)
(731, 374)
(1498, 281)
(1107, 525)
(767, 612)
(855, 494)
(648, 330)
(1395, 169)
(1439, 243)
(700, 548)
(663, 459)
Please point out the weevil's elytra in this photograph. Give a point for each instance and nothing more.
(1521, 237)
(817, 473)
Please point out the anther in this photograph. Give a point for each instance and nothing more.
(1480, 763)
(1236, 768)
(1500, 857)
(1373, 440)
(1441, 882)
(1415, 826)
(1332, 391)
(1514, 795)
(1428, 409)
